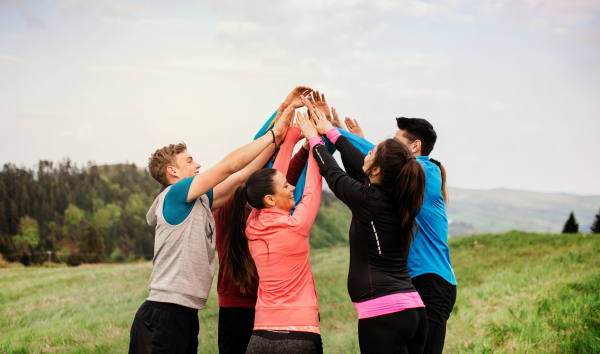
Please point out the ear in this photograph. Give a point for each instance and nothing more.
(416, 147)
(171, 171)
(269, 200)
(375, 171)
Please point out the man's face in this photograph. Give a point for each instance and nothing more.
(186, 167)
(414, 147)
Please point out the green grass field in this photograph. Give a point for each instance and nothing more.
(517, 293)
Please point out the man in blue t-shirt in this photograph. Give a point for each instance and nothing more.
(429, 258)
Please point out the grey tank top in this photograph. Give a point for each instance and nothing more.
(184, 255)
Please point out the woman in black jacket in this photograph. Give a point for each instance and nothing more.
(392, 317)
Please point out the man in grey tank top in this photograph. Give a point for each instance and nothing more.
(184, 244)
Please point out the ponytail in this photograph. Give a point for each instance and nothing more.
(444, 189)
(403, 179)
(238, 261)
(409, 192)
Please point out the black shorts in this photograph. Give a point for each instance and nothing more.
(160, 327)
(287, 342)
(235, 329)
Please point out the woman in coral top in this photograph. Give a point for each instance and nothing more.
(274, 244)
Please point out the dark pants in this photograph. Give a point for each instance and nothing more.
(160, 327)
(402, 332)
(439, 297)
(286, 342)
(235, 329)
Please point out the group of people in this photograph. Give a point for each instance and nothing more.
(257, 207)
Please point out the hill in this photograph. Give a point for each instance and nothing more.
(517, 293)
(501, 210)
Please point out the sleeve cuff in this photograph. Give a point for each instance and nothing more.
(333, 135)
(314, 141)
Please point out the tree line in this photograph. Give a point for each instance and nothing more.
(98, 214)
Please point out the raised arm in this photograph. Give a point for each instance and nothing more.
(348, 190)
(238, 159)
(282, 161)
(224, 190)
(297, 164)
(306, 211)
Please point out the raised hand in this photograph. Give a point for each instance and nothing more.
(354, 128)
(318, 100)
(306, 126)
(294, 97)
(321, 123)
(283, 123)
(280, 110)
(336, 121)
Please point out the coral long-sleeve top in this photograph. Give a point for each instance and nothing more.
(279, 246)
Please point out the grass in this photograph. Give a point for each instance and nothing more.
(517, 293)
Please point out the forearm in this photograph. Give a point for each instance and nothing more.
(297, 166)
(285, 151)
(225, 189)
(307, 210)
(343, 186)
(231, 164)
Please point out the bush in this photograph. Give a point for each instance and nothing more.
(4, 263)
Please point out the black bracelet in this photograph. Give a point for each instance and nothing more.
(273, 135)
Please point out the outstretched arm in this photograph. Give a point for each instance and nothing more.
(306, 211)
(282, 161)
(224, 190)
(238, 159)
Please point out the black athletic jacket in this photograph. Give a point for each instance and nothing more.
(377, 266)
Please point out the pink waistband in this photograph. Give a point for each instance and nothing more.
(388, 304)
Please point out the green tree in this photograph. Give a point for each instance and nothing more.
(92, 247)
(571, 226)
(73, 216)
(29, 233)
(596, 224)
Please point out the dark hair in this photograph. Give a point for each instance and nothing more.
(402, 178)
(421, 129)
(238, 262)
(443, 171)
(418, 129)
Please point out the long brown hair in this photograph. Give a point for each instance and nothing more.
(237, 260)
(402, 178)
(444, 189)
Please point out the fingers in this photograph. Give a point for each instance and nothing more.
(356, 124)
(334, 113)
(349, 123)
(323, 98)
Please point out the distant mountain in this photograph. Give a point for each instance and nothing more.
(499, 210)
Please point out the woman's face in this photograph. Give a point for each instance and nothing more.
(284, 194)
(369, 159)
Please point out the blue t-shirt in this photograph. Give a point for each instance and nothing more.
(429, 253)
(176, 207)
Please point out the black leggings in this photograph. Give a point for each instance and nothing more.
(288, 342)
(438, 296)
(402, 332)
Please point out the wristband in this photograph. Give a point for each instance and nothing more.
(274, 142)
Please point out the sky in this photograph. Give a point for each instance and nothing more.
(510, 86)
